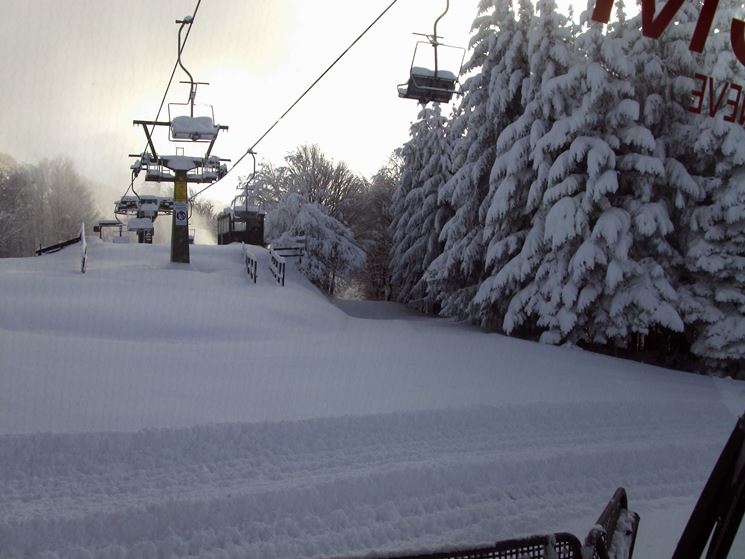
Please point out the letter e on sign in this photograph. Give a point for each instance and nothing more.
(700, 94)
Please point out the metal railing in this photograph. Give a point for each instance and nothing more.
(56, 247)
(80, 238)
(277, 266)
(249, 259)
(295, 248)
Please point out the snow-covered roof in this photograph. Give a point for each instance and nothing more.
(426, 72)
(193, 128)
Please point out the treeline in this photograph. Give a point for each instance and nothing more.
(573, 198)
(41, 204)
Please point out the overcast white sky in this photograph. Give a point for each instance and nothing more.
(77, 72)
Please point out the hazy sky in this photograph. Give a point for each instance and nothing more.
(77, 72)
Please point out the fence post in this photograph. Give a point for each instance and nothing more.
(277, 266)
(249, 261)
(84, 258)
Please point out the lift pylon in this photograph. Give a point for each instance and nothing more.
(181, 169)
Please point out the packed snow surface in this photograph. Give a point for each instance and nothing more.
(150, 409)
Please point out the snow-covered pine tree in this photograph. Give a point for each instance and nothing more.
(492, 99)
(417, 244)
(659, 206)
(713, 283)
(403, 275)
(332, 252)
(505, 212)
(592, 281)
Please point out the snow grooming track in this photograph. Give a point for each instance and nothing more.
(347, 485)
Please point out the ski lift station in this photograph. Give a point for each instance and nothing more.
(241, 224)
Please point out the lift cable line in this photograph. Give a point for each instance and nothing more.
(318, 79)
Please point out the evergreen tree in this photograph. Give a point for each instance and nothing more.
(492, 100)
(593, 281)
(505, 211)
(417, 245)
(713, 283)
(402, 210)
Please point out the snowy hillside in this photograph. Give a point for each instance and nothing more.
(150, 409)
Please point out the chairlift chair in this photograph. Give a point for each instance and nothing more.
(190, 122)
(426, 85)
(144, 228)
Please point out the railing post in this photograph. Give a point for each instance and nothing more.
(85, 247)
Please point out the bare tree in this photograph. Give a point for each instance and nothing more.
(13, 205)
(267, 187)
(41, 204)
(372, 225)
(316, 178)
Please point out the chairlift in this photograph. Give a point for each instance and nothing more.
(243, 221)
(433, 85)
(190, 122)
(144, 228)
(145, 205)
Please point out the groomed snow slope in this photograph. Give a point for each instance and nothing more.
(149, 409)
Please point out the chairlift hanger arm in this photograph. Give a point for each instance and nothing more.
(192, 89)
(145, 124)
(212, 143)
(447, 8)
(434, 42)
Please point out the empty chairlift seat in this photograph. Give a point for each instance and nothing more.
(148, 206)
(126, 204)
(197, 128)
(425, 86)
(140, 224)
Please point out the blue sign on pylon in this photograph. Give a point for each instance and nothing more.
(181, 214)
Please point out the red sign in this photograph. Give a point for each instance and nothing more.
(654, 24)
